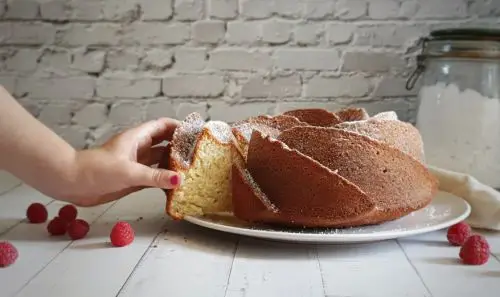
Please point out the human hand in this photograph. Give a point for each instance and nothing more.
(122, 165)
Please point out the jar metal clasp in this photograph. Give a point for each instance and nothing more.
(412, 80)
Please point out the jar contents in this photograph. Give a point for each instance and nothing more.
(461, 131)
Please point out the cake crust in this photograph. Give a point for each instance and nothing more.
(352, 114)
(305, 192)
(268, 125)
(389, 132)
(397, 183)
(315, 116)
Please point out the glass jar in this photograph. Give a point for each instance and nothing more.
(459, 101)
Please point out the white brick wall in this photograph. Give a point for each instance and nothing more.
(91, 68)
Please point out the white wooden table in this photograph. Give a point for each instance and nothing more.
(178, 259)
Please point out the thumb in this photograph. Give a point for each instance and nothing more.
(141, 175)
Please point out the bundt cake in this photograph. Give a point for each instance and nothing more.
(302, 168)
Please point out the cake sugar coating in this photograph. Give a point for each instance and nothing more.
(315, 116)
(389, 132)
(280, 122)
(305, 192)
(249, 202)
(267, 125)
(352, 114)
(397, 183)
(184, 139)
(245, 130)
(220, 131)
(386, 115)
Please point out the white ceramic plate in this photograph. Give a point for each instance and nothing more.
(444, 211)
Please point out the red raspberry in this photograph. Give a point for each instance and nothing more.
(8, 254)
(37, 213)
(122, 234)
(475, 250)
(84, 222)
(458, 233)
(68, 213)
(77, 229)
(57, 226)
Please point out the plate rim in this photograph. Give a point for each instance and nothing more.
(277, 235)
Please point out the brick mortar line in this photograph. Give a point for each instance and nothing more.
(260, 49)
(370, 22)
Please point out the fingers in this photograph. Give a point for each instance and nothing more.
(156, 131)
(166, 134)
(141, 175)
(152, 156)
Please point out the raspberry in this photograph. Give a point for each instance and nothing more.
(68, 213)
(77, 229)
(37, 213)
(8, 254)
(458, 233)
(122, 234)
(475, 250)
(84, 222)
(57, 226)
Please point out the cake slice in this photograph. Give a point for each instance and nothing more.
(202, 153)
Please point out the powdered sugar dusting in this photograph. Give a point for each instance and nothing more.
(386, 115)
(279, 122)
(256, 188)
(400, 135)
(220, 130)
(187, 133)
(184, 138)
(361, 128)
(314, 116)
(246, 130)
(285, 147)
(351, 114)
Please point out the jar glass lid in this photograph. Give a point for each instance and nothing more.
(457, 43)
(465, 34)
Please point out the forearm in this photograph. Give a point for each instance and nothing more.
(33, 152)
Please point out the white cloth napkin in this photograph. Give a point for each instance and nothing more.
(484, 200)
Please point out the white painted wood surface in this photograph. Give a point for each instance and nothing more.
(171, 258)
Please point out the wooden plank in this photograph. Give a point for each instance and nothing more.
(438, 264)
(8, 182)
(264, 268)
(90, 266)
(14, 203)
(371, 269)
(184, 254)
(36, 247)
